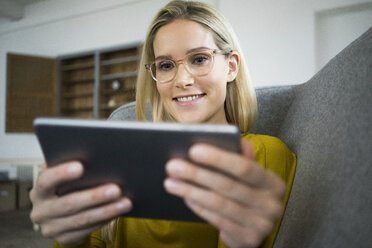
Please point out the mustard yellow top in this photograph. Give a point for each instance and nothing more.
(269, 152)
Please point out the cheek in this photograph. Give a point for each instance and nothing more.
(217, 87)
(219, 74)
(161, 90)
(217, 81)
(164, 93)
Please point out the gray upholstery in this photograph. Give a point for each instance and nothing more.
(327, 122)
(273, 105)
(328, 126)
(128, 112)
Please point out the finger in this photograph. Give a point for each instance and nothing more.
(209, 200)
(223, 184)
(230, 163)
(88, 218)
(229, 240)
(78, 201)
(233, 233)
(242, 238)
(74, 237)
(48, 180)
(213, 180)
(276, 184)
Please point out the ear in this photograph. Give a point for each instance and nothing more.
(234, 60)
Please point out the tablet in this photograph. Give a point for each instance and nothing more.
(130, 154)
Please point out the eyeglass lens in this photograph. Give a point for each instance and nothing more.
(198, 64)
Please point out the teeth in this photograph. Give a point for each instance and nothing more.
(189, 98)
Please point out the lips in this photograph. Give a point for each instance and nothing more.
(188, 98)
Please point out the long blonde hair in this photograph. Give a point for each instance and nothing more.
(240, 104)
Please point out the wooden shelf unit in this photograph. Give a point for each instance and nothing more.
(118, 74)
(93, 84)
(77, 86)
(83, 85)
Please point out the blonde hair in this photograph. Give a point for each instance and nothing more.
(240, 104)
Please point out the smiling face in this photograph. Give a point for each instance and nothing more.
(189, 98)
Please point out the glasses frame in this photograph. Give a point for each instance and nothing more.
(212, 52)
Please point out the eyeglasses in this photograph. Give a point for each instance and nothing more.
(198, 63)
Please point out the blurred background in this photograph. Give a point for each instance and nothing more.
(284, 42)
(78, 58)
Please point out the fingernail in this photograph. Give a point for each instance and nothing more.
(197, 151)
(112, 192)
(74, 168)
(171, 185)
(175, 167)
(123, 204)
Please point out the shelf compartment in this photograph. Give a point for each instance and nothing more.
(78, 81)
(77, 75)
(110, 102)
(119, 61)
(71, 89)
(86, 114)
(81, 66)
(77, 109)
(73, 63)
(106, 77)
(121, 53)
(118, 92)
(119, 68)
(77, 95)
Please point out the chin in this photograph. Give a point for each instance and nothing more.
(190, 120)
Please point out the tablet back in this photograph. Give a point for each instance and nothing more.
(130, 154)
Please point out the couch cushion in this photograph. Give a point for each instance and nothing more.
(329, 127)
(128, 112)
(273, 105)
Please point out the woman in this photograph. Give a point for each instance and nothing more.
(191, 71)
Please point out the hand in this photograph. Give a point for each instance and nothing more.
(230, 191)
(70, 218)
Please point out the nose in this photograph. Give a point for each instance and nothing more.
(183, 77)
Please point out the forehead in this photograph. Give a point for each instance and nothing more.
(178, 37)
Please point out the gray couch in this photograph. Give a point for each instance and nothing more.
(327, 122)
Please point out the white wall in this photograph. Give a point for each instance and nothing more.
(279, 36)
(330, 39)
(280, 39)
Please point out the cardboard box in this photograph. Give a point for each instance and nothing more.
(8, 195)
(24, 188)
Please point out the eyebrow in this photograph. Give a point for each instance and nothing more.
(166, 57)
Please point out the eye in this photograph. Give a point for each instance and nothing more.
(166, 65)
(200, 59)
